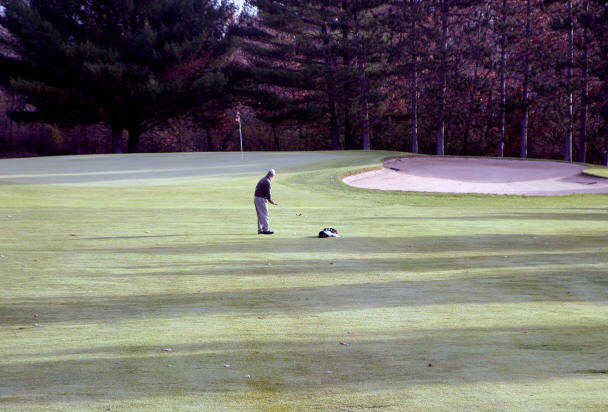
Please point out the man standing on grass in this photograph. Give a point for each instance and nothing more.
(262, 197)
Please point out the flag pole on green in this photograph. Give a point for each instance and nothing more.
(238, 119)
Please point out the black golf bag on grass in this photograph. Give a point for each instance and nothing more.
(328, 232)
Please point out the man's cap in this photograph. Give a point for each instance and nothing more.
(272, 172)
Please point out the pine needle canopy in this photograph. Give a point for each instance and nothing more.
(128, 63)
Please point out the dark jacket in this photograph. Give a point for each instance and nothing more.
(263, 189)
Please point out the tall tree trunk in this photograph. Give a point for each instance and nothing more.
(300, 136)
(489, 116)
(348, 128)
(117, 133)
(444, 79)
(275, 135)
(44, 145)
(414, 52)
(606, 149)
(600, 33)
(11, 129)
(582, 142)
(503, 85)
(349, 143)
(365, 137)
(335, 133)
(331, 91)
(471, 110)
(570, 132)
(525, 95)
(134, 138)
(203, 140)
(606, 143)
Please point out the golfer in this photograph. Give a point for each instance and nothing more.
(263, 196)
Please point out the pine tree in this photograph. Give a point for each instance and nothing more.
(599, 27)
(570, 126)
(289, 72)
(503, 82)
(407, 23)
(584, 19)
(129, 64)
(370, 49)
(526, 86)
(445, 11)
(474, 66)
(346, 75)
(572, 13)
(415, 18)
(307, 60)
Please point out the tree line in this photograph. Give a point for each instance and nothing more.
(458, 77)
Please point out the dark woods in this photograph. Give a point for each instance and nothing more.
(129, 65)
(512, 78)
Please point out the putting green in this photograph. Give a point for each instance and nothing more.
(138, 282)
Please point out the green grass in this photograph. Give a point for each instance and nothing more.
(506, 297)
(597, 171)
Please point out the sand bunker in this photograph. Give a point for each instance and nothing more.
(480, 175)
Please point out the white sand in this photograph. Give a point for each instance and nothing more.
(480, 175)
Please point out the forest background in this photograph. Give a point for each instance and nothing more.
(516, 78)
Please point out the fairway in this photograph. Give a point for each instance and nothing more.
(139, 282)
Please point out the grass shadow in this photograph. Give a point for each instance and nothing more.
(552, 287)
(309, 362)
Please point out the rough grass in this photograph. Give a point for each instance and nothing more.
(446, 301)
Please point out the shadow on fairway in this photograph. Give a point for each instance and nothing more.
(309, 362)
(335, 265)
(497, 243)
(548, 287)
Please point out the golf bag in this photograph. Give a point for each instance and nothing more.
(328, 232)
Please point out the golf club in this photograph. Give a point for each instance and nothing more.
(290, 211)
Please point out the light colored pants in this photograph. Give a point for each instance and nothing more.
(261, 207)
